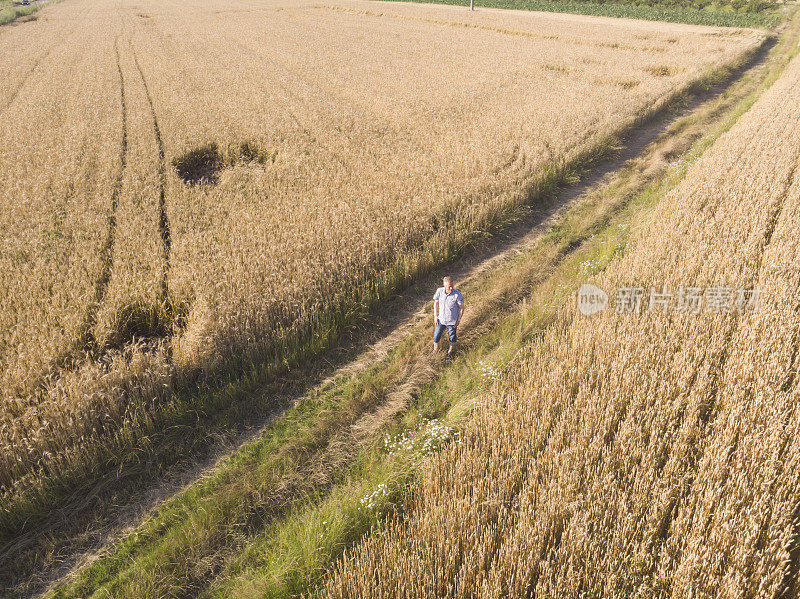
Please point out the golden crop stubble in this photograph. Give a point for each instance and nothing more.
(654, 454)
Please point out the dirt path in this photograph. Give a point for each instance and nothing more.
(105, 515)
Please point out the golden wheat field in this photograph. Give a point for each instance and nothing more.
(344, 146)
(638, 455)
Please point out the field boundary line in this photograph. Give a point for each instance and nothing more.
(374, 353)
(485, 27)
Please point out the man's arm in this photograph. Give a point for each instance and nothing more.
(435, 311)
(460, 313)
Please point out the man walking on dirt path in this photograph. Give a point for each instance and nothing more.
(448, 308)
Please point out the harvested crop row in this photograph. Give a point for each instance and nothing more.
(649, 455)
(322, 155)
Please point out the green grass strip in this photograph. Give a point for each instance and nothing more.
(10, 12)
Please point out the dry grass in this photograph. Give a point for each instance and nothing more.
(637, 456)
(383, 142)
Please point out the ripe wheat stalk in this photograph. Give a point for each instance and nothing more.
(650, 455)
(349, 163)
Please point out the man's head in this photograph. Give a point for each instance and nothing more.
(447, 283)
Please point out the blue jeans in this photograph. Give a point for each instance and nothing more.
(451, 332)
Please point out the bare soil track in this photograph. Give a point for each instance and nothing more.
(96, 516)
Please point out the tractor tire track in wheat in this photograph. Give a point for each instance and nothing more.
(163, 219)
(86, 336)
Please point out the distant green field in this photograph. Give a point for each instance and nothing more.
(10, 12)
(737, 13)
